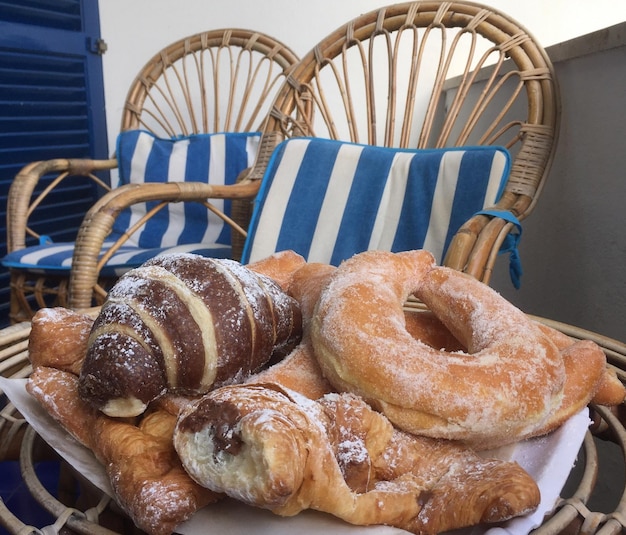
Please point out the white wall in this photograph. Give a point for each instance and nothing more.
(573, 247)
(135, 30)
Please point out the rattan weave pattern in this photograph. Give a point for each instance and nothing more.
(433, 74)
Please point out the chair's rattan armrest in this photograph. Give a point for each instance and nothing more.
(20, 201)
(475, 246)
(99, 220)
(14, 363)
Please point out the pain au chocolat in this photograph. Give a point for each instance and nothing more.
(183, 323)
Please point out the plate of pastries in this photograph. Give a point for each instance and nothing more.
(294, 388)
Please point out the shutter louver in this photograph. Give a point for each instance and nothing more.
(60, 14)
(46, 108)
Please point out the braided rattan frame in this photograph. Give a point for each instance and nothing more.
(215, 81)
(385, 78)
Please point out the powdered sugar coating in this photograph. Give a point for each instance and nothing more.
(186, 324)
(274, 448)
(265, 467)
(505, 386)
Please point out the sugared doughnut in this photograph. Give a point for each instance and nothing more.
(583, 359)
(503, 388)
(424, 326)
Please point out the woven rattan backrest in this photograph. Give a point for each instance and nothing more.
(430, 74)
(215, 81)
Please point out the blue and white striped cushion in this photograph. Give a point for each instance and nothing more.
(213, 158)
(180, 227)
(57, 257)
(328, 200)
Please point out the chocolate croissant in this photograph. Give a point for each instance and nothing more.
(183, 323)
(275, 449)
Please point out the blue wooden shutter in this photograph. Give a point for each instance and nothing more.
(51, 105)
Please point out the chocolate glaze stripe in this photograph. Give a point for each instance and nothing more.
(220, 294)
(200, 314)
(260, 310)
(228, 271)
(283, 313)
(230, 323)
(269, 292)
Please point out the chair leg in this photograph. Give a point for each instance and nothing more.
(20, 309)
(30, 292)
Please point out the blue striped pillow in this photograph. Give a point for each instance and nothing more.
(56, 258)
(213, 158)
(180, 227)
(328, 200)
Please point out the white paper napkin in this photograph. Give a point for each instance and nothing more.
(548, 460)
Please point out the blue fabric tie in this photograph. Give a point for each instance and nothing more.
(510, 243)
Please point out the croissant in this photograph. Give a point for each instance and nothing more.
(273, 448)
(299, 371)
(58, 338)
(145, 473)
(183, 323)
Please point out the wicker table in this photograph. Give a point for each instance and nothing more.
(573, 514)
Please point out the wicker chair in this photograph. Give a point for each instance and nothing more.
(216, 81)
(431, 74)
(420, 75)
(414, 75)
